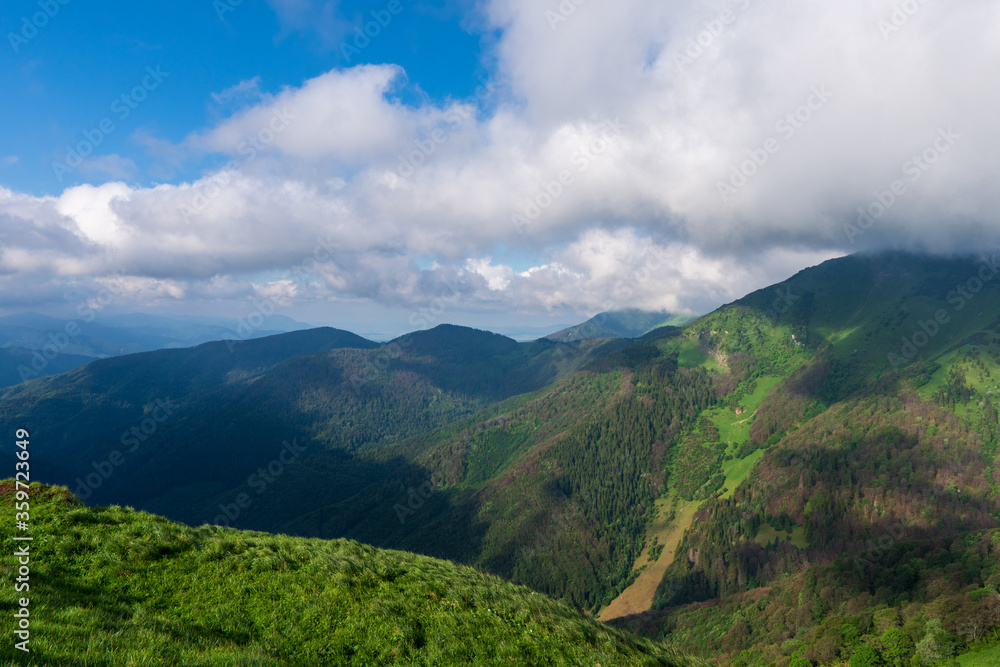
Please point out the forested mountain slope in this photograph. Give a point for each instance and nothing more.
(810, 421)
(867, 531)
(183, 431)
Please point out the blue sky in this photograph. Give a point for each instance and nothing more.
(493, 163)
(63, 81)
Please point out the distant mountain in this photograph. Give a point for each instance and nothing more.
(234, 406)
(123, 587)
(620, 324)
(35, 332)
(527, 332)
(17, 363)
(55, 345)
(188, 331)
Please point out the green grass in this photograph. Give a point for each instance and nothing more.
(734, 429)
(738, 470)
(989, 657)
(768, 535)
(691, 355)
(112, 586)
(764, 386)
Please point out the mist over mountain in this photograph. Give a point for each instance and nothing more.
(34, 345)
(631, 323)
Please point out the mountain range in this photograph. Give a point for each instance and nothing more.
(806, 476)
(34, 345)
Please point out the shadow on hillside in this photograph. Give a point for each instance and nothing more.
(405, 509)
(869, 496)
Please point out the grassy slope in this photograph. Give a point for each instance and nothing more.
(989, 657)
(638, 597)
(111, 586)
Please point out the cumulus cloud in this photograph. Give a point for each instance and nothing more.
(671, 155)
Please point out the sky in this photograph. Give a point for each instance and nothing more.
(392, 165)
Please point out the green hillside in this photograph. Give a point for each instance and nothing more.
(874, 506)
(111, 586)
(832, 442)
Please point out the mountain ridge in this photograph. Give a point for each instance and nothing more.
(555, 480)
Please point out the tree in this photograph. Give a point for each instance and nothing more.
(936, 645)
(850, 637)
(867, 656)
(897, 647)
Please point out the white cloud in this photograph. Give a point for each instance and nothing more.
(245, 92)
(113, 166)
(280, 292)
(388, 185)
